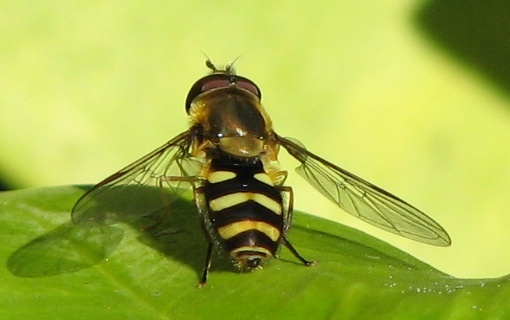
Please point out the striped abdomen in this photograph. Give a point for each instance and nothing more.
(245, 210)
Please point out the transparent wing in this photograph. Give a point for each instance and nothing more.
(364, 200)
(143, 188)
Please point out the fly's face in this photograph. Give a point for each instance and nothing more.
(227, 112)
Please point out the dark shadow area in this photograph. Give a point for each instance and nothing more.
(174, 229)
(4, 185)
(475, 32)
(67, 248)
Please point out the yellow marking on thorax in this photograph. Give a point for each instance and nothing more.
(219, 176)
(235, 228)
(233, 199)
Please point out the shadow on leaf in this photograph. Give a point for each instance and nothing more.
(65, 249)
(175, 231)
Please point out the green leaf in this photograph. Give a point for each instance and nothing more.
(58, 270)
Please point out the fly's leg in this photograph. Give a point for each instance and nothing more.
(288, 208)
(205, 271)
(296, 254)
(203, 211)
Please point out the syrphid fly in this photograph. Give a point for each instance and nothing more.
(229, 157)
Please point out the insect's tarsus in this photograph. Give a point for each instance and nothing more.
(296, 254)
(205, 271)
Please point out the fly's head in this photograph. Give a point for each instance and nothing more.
(227, 110)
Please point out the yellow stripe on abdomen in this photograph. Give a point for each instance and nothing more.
(263, 251)
(220, 176)
(263, 177)
(235, 228)
(233, 199)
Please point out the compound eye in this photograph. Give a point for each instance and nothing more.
(248, 85)
(215, 84)
(217, 81)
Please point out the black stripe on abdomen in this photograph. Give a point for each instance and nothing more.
(250, 238)
(249, 210)
(245, 210)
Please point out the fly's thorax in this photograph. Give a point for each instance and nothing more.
(242, 146)
(233, 119)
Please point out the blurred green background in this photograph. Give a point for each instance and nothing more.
(411, 95)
